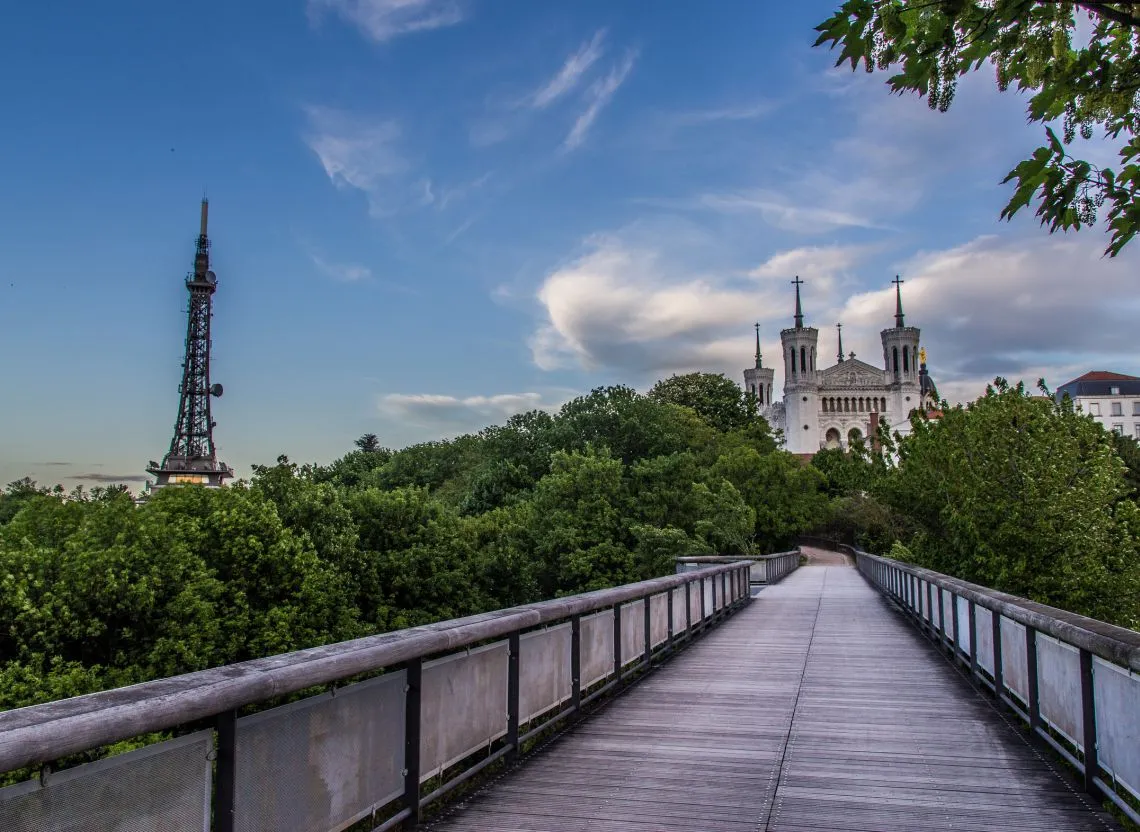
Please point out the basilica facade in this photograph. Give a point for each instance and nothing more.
(830, 407)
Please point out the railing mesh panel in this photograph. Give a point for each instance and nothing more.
(544, 670)
(963, 624)
(984, 621)
(323, 762)
(597, 645)
(1059, 687)
(659, 619)
(463, 706)
(709, 609)
(679, 610)
(165, 786)
(632, 631)
(1014, 666)
(1116, 692)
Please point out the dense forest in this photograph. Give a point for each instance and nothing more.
(1013, 491)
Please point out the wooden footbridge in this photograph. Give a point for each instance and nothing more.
(882, 697)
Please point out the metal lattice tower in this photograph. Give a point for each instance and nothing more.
(192, 458)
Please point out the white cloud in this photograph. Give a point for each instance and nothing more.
(435, 410)
(816, 262)
(621, 307)
(356, 152)
(599, 96)
(782, 213)
(382, 20)
(1021, 308)
(345, 272)
(571, 72)
(737, 112)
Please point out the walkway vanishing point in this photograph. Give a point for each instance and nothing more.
(817, 707)
(740, 695)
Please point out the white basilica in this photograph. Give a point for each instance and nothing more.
(830, 407)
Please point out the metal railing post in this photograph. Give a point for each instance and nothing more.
(513, 648)
(226, 773)
(703, 612)
(688, 610)
(941, 618)
(414, 677)
(972, 615)
(1034, 691)
(648, 631)
(999, 671)
(617, 642)
(1088, 723)
(956, 628)
(576, 663)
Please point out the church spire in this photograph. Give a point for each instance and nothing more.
(799, 309)
(839, 327)
(898, 301)
(759, 364)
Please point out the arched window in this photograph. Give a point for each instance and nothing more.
(860, 404)
(854, 435)
(769, 392)
(793, 352)
(813, 359)
(884, 405)
(831, 438)
(847, 405)
(906, 361)
(896, 349)
(803, 359)
(759, 391)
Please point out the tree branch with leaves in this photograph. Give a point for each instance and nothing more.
(1030, 45)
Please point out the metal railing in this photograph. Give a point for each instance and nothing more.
(765, 569)
(1074, 681)
(454, 697)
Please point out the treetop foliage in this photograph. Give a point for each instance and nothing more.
(97, 592)
(1030, 44)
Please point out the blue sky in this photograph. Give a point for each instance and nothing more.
(429, 214)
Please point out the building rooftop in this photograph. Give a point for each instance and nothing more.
(1100, 383)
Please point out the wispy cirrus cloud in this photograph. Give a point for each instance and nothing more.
(601, 93)
(344, 272)
(383, 20)
(567, 78)
(356, 151)
(109, 478)
(736, 112)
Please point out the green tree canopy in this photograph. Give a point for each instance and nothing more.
(718, 400)
(1030, 43)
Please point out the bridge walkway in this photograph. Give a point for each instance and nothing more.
(817, 707)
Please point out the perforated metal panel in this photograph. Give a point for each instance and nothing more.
(597, 646)
(984, 620)
(544, 670)
(709, 609)
(163, 786)
(323, 762)
(1059, 686)
(695, 602)
(948, 612)
(463, 706)
(964, 625)
(632, 631)
(679, 610)
(1014, 667)
(1116, 693)
(659, 619)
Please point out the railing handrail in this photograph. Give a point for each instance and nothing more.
(42, 733)
(1118, 645)
(733, 558)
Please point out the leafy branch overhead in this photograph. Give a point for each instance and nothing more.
(1030, 44)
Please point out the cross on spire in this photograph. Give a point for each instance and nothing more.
(758, 363)
(840, 328)
(898, 300)
(799, 309)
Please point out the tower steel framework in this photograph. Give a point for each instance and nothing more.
(192, 457)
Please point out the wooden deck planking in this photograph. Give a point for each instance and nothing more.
(817, 707)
